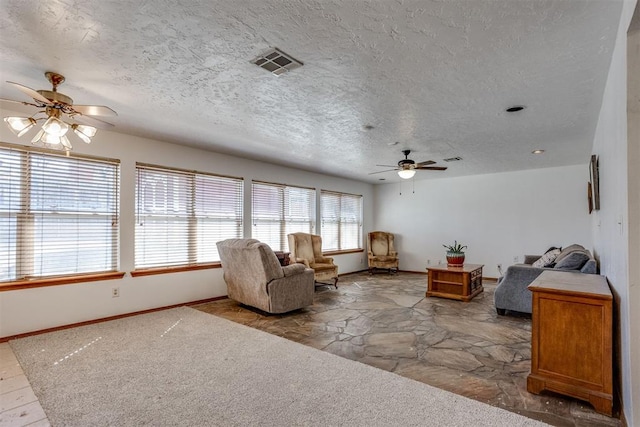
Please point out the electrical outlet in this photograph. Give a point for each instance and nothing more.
(428, 262)
(115, 292)
(516, 259)
(499, 267)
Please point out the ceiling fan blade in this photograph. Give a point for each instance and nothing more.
(18, 102)
(425, 163)
(432, 168)
(92, 121)
(94, 110)
(387, 166)
(30, 92)
(389, 170)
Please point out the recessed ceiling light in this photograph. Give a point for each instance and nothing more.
(453, 159)
(368, 127)
(537, 152)
(515, 108)
(382, 179)
(393, 143)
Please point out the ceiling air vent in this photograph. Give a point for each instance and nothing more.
(276, 62)
(453, 159)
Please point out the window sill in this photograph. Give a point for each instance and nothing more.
(346, 251)
(63, 280)
(177, 269)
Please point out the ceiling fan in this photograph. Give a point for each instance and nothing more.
(59, 115)
(407, 168)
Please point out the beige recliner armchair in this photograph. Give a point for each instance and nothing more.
(306, 249)
(255, 277)
(382, 253)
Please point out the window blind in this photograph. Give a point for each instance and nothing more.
(180, 215)
(278, 210)
(341, 219)
(58, 214)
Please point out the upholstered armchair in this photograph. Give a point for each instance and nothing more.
(382, 253)
(255, 277)
(306, 249)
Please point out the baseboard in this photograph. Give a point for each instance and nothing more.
(489, 279)
(623, 419)
(351, 272)
(151, 310)
(106, 319)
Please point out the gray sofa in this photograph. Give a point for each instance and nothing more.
(512, 293)
(255, 277)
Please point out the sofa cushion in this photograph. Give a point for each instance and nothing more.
(566, 251)
(547, 259)
(573, 261)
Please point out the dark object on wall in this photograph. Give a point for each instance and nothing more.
(590, 197)
(595, 181)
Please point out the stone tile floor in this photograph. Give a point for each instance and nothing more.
(385, 321)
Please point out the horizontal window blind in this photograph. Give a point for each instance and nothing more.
(58, 214)
(341, 221)
(278, 210)
(180, 215)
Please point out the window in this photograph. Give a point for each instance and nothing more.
(58, 214)
(181, 215)
(279, 210)
(341, 221)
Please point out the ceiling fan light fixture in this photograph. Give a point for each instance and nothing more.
(20, 125)
(84, 132)
(55, 127)
(36, 138)
(406, 173)
(59, 115)
(65, 142)
(45, 139)
(48, 139)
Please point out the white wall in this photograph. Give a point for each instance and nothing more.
(498, 216)
(28, 310)
(611, 223)
(633, 180)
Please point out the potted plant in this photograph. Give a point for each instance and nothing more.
(455, 254)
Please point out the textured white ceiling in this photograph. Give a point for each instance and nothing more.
(435, 76)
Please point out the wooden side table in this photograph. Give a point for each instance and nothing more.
(459, 283)
(571, 337)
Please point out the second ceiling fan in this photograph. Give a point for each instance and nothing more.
(407, 168)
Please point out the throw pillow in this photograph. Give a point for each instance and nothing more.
(546, 259)
(573, 261)
(552, 248)
(566, 251)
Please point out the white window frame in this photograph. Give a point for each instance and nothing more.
(289, 217)
(339, 223)
(41, 226)
(191, 205)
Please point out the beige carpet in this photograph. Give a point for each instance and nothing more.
(185, 367)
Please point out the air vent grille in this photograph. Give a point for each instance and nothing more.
(277, 62)
(453, 159)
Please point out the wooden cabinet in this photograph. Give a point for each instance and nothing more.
(571, 342)
(461, 283)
